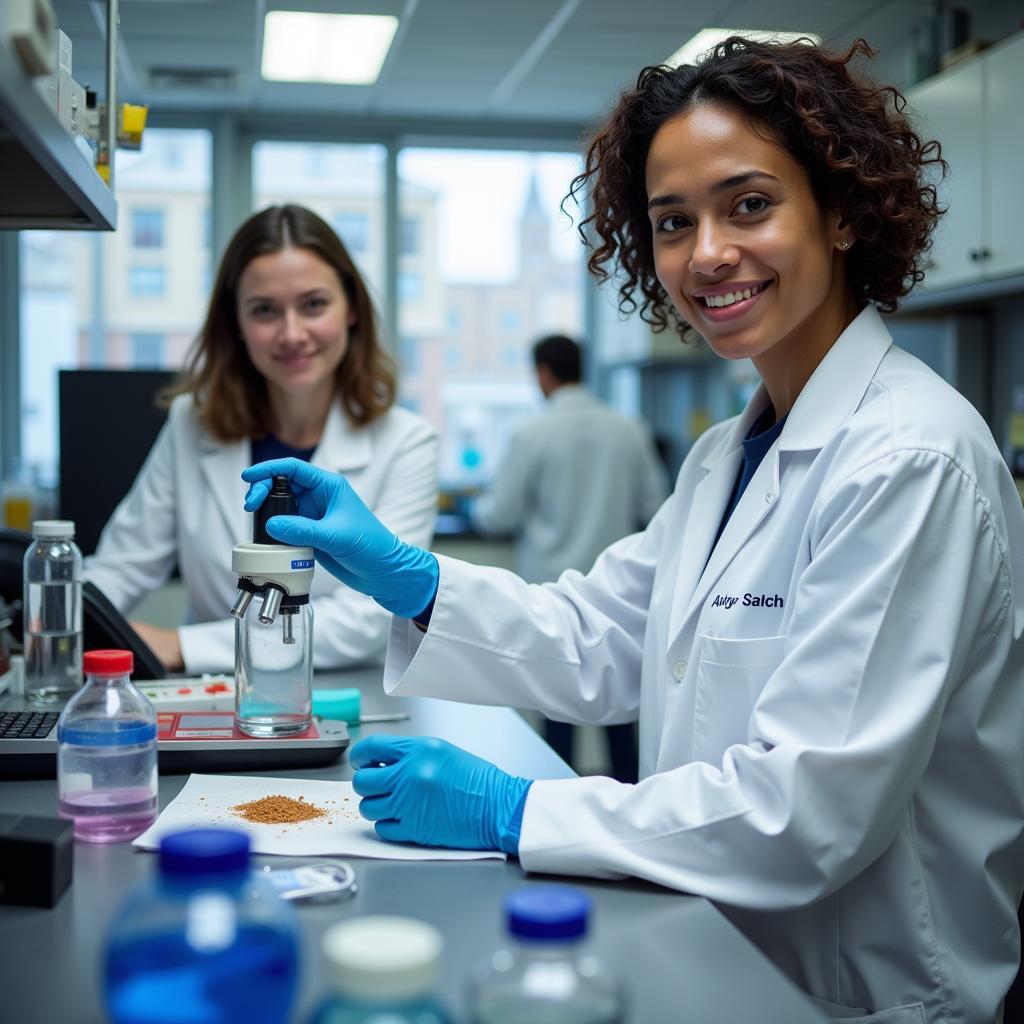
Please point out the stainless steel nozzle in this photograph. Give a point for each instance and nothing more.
(241, 605)
(271, 605)
(287, 635)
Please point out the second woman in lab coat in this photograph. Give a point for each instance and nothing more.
(822, 629)
(288, 362)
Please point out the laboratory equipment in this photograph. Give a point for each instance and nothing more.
(52, 575)
(324, 881)
(546, 978)
(273, 663)
(384, 968)
(106, 753)
(205, 940)
(186, 742)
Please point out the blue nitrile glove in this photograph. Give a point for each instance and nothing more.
(436, 794)
(349, 540)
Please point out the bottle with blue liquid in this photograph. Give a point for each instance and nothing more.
(206, 940)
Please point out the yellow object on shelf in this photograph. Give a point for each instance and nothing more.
(132, 123)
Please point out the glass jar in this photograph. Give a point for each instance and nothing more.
(274, 672)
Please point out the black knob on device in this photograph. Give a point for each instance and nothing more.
(279, 502)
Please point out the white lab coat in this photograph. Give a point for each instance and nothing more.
(186, 506)
(831, 711)
(573, 481)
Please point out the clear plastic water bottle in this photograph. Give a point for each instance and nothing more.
(53, 612)
(106, 753)
(207, 940)
(546, 978)
(384, 972)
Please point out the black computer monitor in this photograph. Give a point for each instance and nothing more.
(109, 420)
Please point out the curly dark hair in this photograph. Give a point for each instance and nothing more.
(859, 149)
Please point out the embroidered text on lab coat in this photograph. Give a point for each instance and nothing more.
(749, 600)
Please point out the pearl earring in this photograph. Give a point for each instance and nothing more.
(844, 245)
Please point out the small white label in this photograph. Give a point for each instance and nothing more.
(213, 734)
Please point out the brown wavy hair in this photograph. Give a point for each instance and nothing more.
(853, 138)
(229, 393)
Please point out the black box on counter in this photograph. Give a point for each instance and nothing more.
(35, 859)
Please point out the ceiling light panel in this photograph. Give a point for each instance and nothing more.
(343, 49)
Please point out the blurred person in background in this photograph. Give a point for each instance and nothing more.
(573, 481)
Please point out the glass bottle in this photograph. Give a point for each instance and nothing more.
(106, 753)
(205, 940)
(52, 612)
(274, 672)
(384, 970)
(546, 977)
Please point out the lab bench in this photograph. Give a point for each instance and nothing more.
(680, 958)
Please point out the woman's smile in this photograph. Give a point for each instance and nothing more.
(731, 303)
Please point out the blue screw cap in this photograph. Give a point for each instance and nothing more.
(548, 913)
(204, 851)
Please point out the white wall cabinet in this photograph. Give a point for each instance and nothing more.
(976, 111)
(1004, 123)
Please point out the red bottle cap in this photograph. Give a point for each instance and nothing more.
(108, 663)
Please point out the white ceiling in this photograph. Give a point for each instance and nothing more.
(522, 61)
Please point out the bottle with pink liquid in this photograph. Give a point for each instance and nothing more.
(106, 753)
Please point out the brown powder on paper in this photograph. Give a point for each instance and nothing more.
(278, 810)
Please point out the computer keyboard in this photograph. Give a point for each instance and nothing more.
(27, 725)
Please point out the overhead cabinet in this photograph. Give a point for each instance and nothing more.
(976, 111)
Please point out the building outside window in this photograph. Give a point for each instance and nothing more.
(342, 183)
(408, 236)
(500, 267)
(353, 228)
(410, 287)
(146, 282)
(147, 228)
(147, 350)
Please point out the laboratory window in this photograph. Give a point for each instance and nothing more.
(147, 228)
(147, 350)
(408, 236)
(353, 228)
(341, 182)
(164, 198)
(501, 266)
(409, 355)
(512, 356)
(410, 287)
(511, 319)
(147, 282)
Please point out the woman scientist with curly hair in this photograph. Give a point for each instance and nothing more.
(820, 631)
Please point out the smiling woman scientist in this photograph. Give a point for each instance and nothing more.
(821, 630)
(288, 362)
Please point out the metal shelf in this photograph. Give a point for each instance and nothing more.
(45, 180)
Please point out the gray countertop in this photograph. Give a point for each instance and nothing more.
(680, 958)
